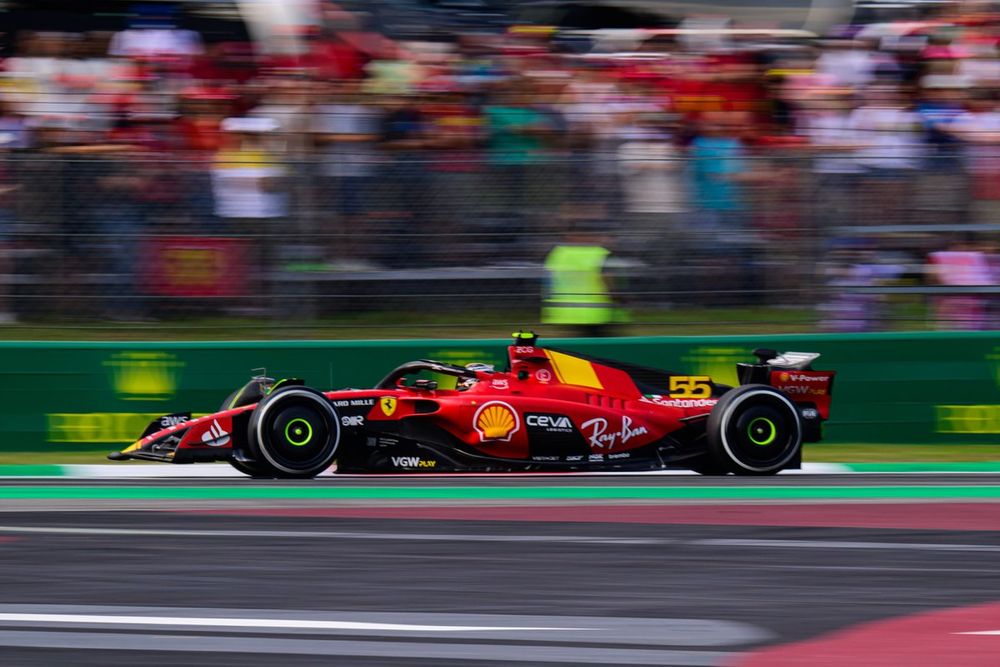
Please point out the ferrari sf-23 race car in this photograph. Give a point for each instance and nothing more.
(550, 410)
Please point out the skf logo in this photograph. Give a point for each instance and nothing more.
(215, 436)
(144, 376)
(388, 405)
(496, 421)
(352, 420)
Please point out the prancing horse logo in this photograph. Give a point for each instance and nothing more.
(388, 404)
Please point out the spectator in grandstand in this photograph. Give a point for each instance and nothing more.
(719, 169)
(942, 193)
(117, 184)
(962, 266)
(289, 104)
(454, 161)
(14, 131)
(345, 129)
(891, 150)
(720, 173)
(942, 102)
(596, 109)
(153, 33)
(652, 176)
(8, 220)
(979, 131)
(981, 64)
(847, 63)
(404, 199)
(828, 125)
(517, 132)
(851, 272)
(249, 188)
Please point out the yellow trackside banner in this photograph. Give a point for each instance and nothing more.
(573, 370)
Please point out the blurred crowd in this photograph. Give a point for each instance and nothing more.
(765, 165)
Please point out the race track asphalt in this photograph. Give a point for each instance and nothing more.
(483, 571)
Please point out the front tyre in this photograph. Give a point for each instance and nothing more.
(754, 430)
(251, 468)
(294, 432)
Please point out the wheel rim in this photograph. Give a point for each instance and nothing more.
(762, 431)
(298, 433)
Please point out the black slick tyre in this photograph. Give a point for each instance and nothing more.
(708, 466)
(754, 430)
(294, 432)
(251, 468)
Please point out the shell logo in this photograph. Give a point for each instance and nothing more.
(496, 421)
(784, 377)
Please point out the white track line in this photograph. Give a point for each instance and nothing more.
(572, 539)
(282, 623)
(207, 470)
(846, 544)
(336, 535)
(333, 651)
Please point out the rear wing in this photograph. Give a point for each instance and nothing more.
(792, 373)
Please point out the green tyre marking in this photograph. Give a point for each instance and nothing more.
(299, 440)
(764, 425)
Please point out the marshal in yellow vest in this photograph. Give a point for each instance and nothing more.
(577, 292)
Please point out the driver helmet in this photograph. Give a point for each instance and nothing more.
(477, 368)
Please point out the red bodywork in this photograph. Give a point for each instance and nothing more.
(550, 409)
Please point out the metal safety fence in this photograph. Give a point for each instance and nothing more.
(113, 235)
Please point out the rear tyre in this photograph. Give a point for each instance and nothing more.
(709, 467)
(754, 430)
(294, 433)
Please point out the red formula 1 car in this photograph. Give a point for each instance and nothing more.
(550, 410)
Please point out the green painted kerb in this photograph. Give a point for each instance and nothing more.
(933, 467)
(762, 431)
(20, 470)
(304, 492)
(298, 432)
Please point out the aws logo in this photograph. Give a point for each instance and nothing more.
(144, 376)
(496, 421)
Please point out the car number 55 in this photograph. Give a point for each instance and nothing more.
(690, 386)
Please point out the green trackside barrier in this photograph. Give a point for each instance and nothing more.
(890, 388)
